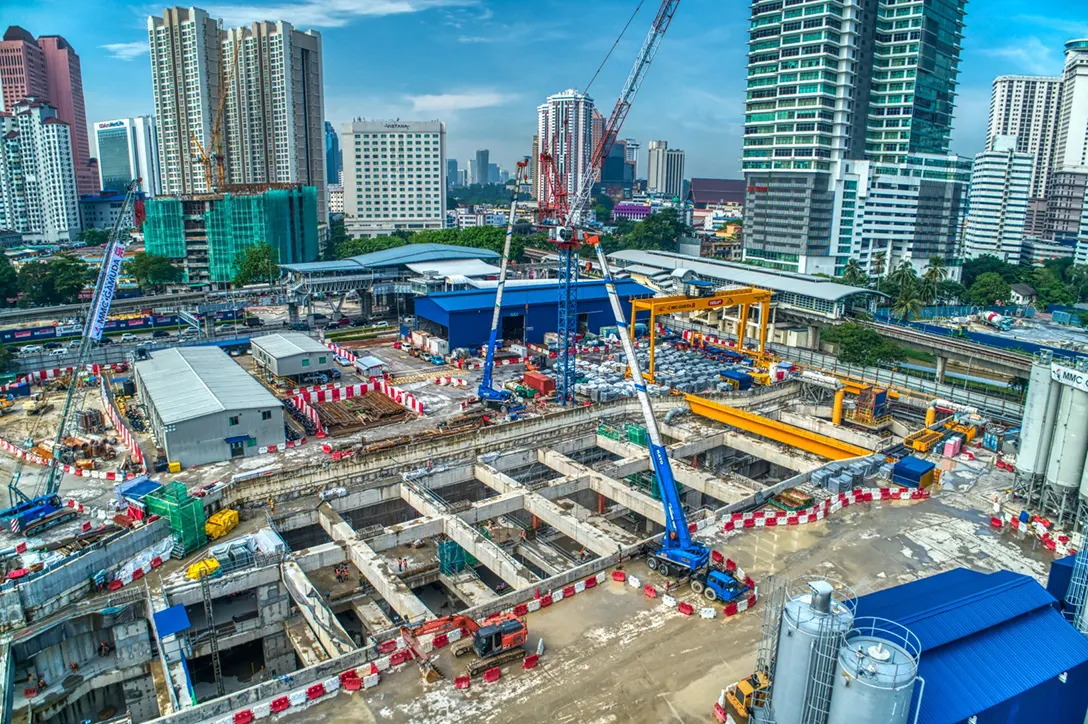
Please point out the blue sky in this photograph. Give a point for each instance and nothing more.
(484, 65)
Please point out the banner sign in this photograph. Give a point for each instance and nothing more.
(109, 286)
(1069, 376)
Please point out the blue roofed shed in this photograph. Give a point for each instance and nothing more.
(528, 312)
(994, 647)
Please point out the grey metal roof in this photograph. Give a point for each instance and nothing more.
(286, 344)
(397, 256)
(742, 275)
(455, 267)
(189, 382)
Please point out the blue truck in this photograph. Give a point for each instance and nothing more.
(719, 584)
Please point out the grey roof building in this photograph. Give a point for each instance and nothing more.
(290, 354)
(205, 408)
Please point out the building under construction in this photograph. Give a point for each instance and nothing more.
(205, 233)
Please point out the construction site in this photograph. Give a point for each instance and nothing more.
(643, 512)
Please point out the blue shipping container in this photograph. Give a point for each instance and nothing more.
(743, 379)
(911, 468)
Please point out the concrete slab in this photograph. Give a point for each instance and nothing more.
(468, 587)
(372, 616)
(633, 500)
(311, 604)
(308, 649)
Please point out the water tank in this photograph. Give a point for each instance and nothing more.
(1040, 411)
(813, 623)
(874, 681)
(1070, 441)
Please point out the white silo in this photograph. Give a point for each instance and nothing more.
(1068, 449)
(877, 669)
(1040, 413)
(811, 631)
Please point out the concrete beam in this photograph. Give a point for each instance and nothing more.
(468, 587)
(566, 523)
(374, 567)
(372, 616)
(640, 503)
(311, 604)
(403, 533)
(308, 649)
(542, 556)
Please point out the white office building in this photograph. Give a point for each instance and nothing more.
(1027, 108)
(912, 211)
(1001, 185)
(394, 176)
(185, 56)
(274, 128)
(38, 196)
(128, 149)
(664, 170)
(565, 129)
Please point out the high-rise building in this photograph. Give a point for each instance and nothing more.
(912, 211)
(846, 80)
(395, 177)
(492, 173)
(462, 176)
(38, 196)
(48, 69)
(534, 161)
(1028, 108)
(273, 124)
(1001, 186)
(451, 172)
(631, 148)
(185, 75)
(674, 173)
(128, 150)
(656, 167)
(333, 161)
(480, 171)
(565, 129)
(597, 130)
(1071, 148)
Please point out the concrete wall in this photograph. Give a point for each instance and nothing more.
(203, 440)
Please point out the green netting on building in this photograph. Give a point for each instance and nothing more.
(635, 433)
(610, 432)
(451, 558)
(184, 513)
(164, 229)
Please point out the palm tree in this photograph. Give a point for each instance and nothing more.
(879, 259)
(927, 287)
(904, 274)
(853, 274)
(936, 270)
(909, 302)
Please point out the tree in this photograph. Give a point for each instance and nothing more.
(1050, 289)
(950, 292)
(57, 281)
(935, 269)
(153, 272)
(657, 232)
(857, 344)
(94, 237)
(988, 288)
(337, 236)
(256, 264)
(602, 207)
(987, 264)
(9, 282)
(903, 275)
(853, 275)
(357, 247)
(880, 260)
(7, 359)
(909, 302)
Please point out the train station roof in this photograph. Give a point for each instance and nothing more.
(428, 254)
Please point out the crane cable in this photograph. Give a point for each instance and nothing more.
(614, 44)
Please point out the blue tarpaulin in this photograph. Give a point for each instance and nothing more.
(170, 621)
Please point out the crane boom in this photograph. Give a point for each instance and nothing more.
(619, 113)
(487, 392)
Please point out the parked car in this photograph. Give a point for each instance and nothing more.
(58, 352)
(360, 322)
(52, 345)
(32, 349)
(342, 361)
(104, 341)
(187, 332)
(380, 323)
(343, 322)
(160, 333)
(318, 316)
(128, 337)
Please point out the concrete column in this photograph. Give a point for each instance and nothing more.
(279, 657)
(942, 364)
(140, 698)
(814, 337)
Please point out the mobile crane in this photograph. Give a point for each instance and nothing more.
(488, 395)
(30, 516)
(678, 554)
(498, 641)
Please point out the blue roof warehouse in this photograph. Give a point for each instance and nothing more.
(528, 312)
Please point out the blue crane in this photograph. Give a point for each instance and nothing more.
(678, 552)
(28, 515)
(487, 393)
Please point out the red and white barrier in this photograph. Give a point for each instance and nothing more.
(819, 511)
(341, 352)
(451, 381)
(123, 432)
(303, 406)
(1040, 528)
(406, 399)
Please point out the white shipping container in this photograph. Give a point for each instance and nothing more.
(518, 349)
(439, 346)
(419, 339)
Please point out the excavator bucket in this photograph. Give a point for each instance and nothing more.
(429, 672)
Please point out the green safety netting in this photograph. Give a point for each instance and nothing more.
(185, 514)
(164, 229)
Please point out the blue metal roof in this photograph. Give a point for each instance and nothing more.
(397, 256)
(986, 639)
(478, 299)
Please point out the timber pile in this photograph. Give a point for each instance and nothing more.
(377, 409)
(337, 418)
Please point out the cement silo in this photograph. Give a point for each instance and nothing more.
(812, 625)
(1067, 451)
(1040, 411)
(877, 669)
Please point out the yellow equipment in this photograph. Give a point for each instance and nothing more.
(923, 440)
(6, 405)
(739, 697)
(37, 405)
(208, 567)
(221, 523)
(744, 298)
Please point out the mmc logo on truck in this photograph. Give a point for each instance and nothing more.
(1069, 376)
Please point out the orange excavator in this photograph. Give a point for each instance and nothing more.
(498, 640)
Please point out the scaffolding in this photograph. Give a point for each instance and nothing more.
(164, 228)
(184, 513)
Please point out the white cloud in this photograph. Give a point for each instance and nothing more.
(447, 103)
(1068, 28)
(126, 51)
(326, 13)
(477, 39)
(1029, 54)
